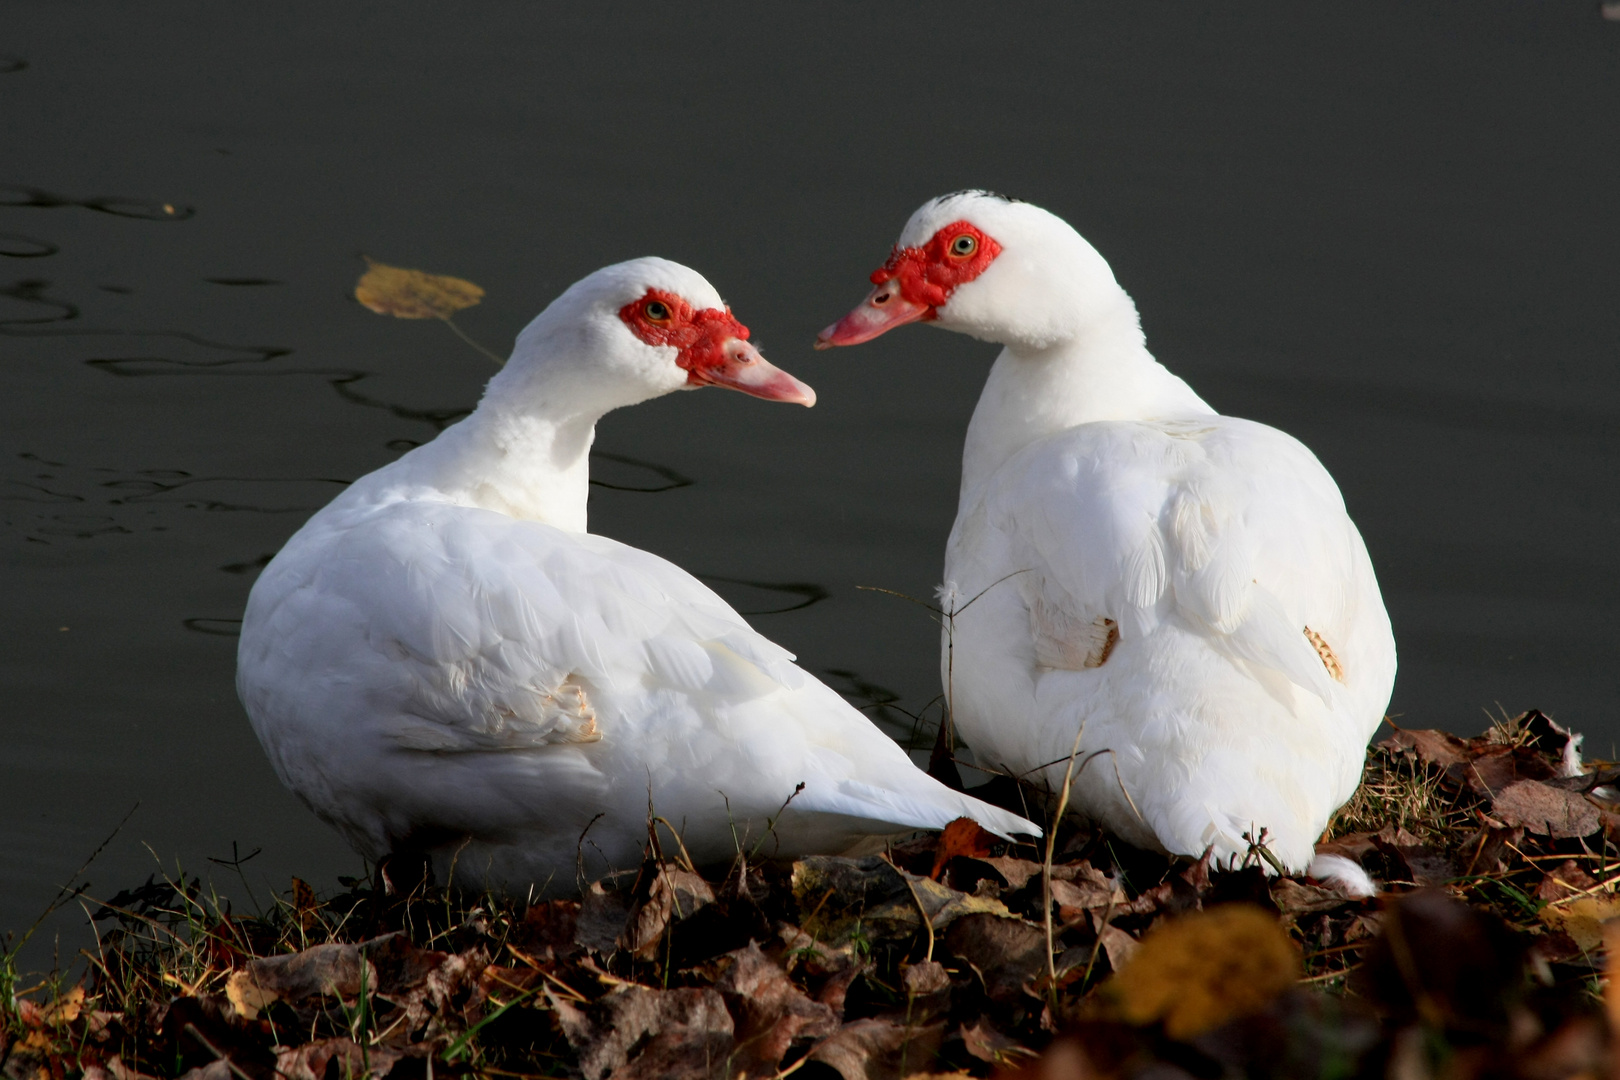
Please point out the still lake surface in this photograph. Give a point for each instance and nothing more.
(1391, 229)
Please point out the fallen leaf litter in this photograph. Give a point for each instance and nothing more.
(1485, 956)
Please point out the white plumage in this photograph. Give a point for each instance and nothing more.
(442, 659)
(1185, 586)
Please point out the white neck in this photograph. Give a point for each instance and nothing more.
(528, 458)
(1103, 372)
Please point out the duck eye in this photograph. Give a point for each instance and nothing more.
(963, 246)
(657, 311)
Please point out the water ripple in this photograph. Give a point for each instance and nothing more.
(117, 205)
(32, 291)
(807, 591)
(18, 246)
(215, 627)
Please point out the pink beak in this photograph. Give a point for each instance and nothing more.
(743, 368)
(882, 311)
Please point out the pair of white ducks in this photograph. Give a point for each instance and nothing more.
(444, 660)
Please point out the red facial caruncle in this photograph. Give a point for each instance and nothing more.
(712, 347)
(915, 283)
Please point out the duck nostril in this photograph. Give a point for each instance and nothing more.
(880, 299)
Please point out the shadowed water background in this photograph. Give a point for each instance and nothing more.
(1390, 229)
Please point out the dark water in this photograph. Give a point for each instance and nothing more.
(1391, 229)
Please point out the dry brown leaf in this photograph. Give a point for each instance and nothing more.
(604, 912)
(321, 969)
(1006, 953)
(413, 294)
(1492, 769)
(1568, 879)
(1541, 808)
(312, 1060)
(1421, 863)
(1016, 872)
(1117, 945)
(1086, 891)
(1297, 898)
(840, 897)
(1351, 845)
(1432, 747)
(399, 965)
(924, 977)
(305, 906)
(836, 968)
(218, 1069)
(879, 1049)
(548, 929)
(769, 1010)
(1202, 969)
(984, 1042)
(675, 895)
(928, 990)
(671, 1027)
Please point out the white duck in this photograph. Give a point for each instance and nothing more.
(444, 660)
(1185, 586)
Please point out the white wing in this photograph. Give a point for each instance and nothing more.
(484, 631)
(424, 669)
(1228, 525)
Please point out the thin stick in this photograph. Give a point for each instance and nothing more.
(1342, 973)
(1096, 946)
(686, 856)
(901, 595)
(1046, 867)
(67, 892)
(928, 923)
(1602, 886)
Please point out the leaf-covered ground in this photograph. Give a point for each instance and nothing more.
(951, 954)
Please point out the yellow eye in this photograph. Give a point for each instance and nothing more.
(963, 246)
(656, 311)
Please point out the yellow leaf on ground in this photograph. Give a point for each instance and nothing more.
(413, 294)
(247, 996)
(1198, 971)
(66, 1008)
(1583, 917)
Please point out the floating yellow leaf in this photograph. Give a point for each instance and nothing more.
(413, 294)
(1198, 971)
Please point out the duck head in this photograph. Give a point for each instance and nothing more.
(637, 330)
(985, 265)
